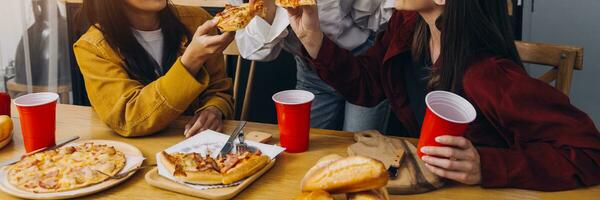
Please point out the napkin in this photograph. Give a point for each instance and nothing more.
(210, 143)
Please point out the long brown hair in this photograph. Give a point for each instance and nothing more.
(109, 17)
(469, 29)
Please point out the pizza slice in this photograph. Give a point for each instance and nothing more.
(195, 169)
(237, 17)
(295, 3)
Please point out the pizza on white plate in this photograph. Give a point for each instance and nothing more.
(238, 17)
(295, 3)
(195, 169)
(67, 168)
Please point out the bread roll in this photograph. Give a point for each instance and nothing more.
(315, 195)
(323, 162)
(379, 194)
(351, 174)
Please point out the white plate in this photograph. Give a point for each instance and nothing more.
(131, 153)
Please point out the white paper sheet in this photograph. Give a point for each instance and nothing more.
(210, 142)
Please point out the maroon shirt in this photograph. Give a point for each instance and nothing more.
(527, 133)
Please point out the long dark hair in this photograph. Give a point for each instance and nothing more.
(109, 17)
(469, 29)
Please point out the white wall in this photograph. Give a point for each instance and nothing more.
(10, 30)
(572, 22)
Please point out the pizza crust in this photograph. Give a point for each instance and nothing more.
(245, 169)
(295, 3)
(235, 18)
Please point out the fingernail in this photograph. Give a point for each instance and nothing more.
(215, 20)
(425, 150)
(439, 139)
(425, 158)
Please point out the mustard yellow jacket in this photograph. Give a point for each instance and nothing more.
(133, 109)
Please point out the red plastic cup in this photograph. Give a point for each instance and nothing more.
(37, 114)
(4, 104)
(293, 116)
(446, 114)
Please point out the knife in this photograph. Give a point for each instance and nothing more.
(229, 145)
(58, 145)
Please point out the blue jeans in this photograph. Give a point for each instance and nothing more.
(331, 111)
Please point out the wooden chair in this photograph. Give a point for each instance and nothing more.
(15, 89)
(232, 50)
(563, 60)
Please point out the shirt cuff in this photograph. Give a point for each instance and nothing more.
(326, 53)
(265, 32)
(180, 88)
(493, 168)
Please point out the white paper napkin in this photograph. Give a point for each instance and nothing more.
(210, 143)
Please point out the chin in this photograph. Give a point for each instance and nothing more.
(404, 5)
(155, 5)
(147, 5)
(413, 5)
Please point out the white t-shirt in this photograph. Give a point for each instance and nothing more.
(152, 41)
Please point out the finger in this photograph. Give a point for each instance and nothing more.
(206, 27)
(447, 164)
(447, 152)
(220, 128)
(309, 10)
(294, 11)
(215, 125)
(189, 124)
(459, 142)
(457, 176)
(198, 125)
(220, 40)
(211, 118)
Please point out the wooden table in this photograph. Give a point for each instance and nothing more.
(281, 182)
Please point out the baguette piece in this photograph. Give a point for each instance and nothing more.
(321, 163)
(379, 194)
(315, 195)
(346, 175)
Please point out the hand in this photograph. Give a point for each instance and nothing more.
(304, 21)
(210, 118)
(459, 161)
(203, 46)
(270, 9)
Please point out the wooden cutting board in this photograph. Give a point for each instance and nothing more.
(412, 177)
(156, 180)
(153, 178)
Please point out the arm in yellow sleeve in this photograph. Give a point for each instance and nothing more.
(219, 91)
(124, 104)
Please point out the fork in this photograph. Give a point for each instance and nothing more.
(125, 174)
(242, 146)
